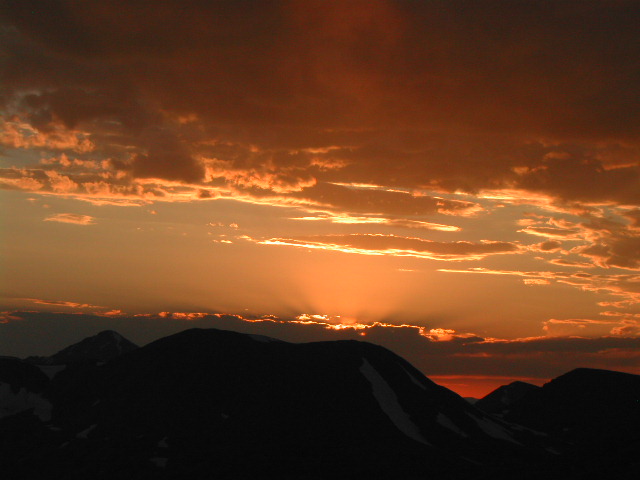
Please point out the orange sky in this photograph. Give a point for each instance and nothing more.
(470, 166)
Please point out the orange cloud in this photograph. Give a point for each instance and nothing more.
(378, 244)
(371, 220)
(19, 134)
(553, 232)
(626, 286)
(71, 218)
(61, 303)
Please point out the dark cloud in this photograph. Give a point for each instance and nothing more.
(589, 180)
(548, 246)
(456, 95)
(167, 158)
(374, 200)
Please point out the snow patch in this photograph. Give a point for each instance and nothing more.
(494, 430)
(413, 378)
(389, 404)
(85, 433)
(51, 370)
(443, 420)
(12, 402)
(159, 461)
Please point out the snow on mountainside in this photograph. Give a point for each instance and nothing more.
(388, 402)
(12, 402)
(21, 389)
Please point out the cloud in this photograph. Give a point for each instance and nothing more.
(625, 286)
(536, 281)
(284, 97)
(393, 245)
(568, 263)
(612, 241)
(628, 327)
(547, 246)
(17, 134)
(61, 303)
(71, 218)
(552, 232)
(377, 220)
(375, 199)
(590, 180)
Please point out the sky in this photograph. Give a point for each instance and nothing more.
(458, 181)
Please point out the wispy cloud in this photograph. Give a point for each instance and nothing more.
(625, 285)
(393, 245)
(61, 303)
(346, 219)
(73, 218)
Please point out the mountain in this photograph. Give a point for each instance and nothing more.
(584, 406)
(595, 411)
(219, 404)
(98, 348)
(502, 398)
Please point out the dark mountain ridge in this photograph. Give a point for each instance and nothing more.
(101, 347)
(211, 403)
(587, 407)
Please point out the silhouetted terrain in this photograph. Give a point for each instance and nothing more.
(219, 404)
(99, 348)
(501, 399)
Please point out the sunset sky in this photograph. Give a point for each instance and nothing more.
(458, 181)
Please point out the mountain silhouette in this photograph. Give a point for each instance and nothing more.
(98, 348)
(500, 400)
(219, 404)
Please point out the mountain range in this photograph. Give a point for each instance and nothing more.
(219, 404)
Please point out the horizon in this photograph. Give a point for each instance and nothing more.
(33, 332)
(456, 181)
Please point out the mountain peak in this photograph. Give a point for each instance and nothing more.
(501, 399)
(101, 347)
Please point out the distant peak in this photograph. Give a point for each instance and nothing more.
(521, 385)
(102, 346)
(594, 372)
(109, 333)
